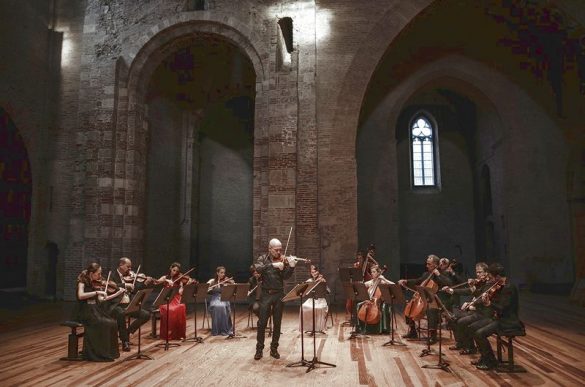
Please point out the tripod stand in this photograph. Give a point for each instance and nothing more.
(348, 275)
(296, 293)
(165, 296)
(134, 306)
(318, 290)
(441, 364)
(357, 292)
(393, 293)
(192, 294)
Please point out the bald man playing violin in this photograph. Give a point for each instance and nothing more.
(119, 305)
(274, 268)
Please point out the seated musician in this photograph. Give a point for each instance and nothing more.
(100, 340)
(449, 268)
(468, 313)
(503, 300)
(382, 325)
(177, 312)
(254, 291)
(321, 307)
(221, 322)
(124, 279)
(433, 315)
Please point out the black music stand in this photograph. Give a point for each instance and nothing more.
(193, 294)
(357, 292)
(296, 293)
(135, 305)
(392, 293)
(318, 290)
(233, 293)
(349, 275)
(164, 297)
(441, 364)
(428, 299)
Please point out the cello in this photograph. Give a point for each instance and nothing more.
(415, 308)
(369, 311)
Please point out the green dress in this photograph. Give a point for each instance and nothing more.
(100, 339)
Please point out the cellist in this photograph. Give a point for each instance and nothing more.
(436, 279)
(380, 310)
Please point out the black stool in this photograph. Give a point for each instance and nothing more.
(73, 341)
(506, 338)
(155, 315)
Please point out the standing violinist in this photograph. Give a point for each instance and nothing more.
(440, 279)
(469, 313)
(274, 271)
(124, 280)
(177, 313)
(375, 294)
(220, 311)
(502, 299)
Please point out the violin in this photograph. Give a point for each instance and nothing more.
(224, 281)
(486, 296)
(132, 277)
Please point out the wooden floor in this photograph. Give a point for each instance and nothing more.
(553, 352)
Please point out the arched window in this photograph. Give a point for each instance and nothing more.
(422, 151)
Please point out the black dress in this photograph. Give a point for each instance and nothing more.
(100, 340)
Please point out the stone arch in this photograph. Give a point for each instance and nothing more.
(513, 111)
(130, 116)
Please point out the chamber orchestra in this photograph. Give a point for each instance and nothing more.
(431, 302)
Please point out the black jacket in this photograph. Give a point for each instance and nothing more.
(272, 278)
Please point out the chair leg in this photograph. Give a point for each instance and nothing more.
(509, 366)
(73, 346)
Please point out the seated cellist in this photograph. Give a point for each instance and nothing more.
(374, 313)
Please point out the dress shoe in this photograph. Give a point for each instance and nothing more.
(433, 340)
(126, 346)
(274, 353)
(410, 335)
(468, 351)
(487, 365)
(476, 362)
(258, 355)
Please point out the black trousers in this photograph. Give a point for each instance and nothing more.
(483, 329)
(464, 331)
(141, 316)
(269, 304)
(433, 318)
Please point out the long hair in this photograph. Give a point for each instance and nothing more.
(174, 264)
(84, 275)
(217, 269)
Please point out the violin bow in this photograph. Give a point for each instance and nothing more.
(184, 274)
(288, 240)
(136, 276)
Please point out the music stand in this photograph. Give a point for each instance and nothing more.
(349, 275)
(357, 292)
(318, 290)
(428, 299)
(134, 306)
(393, 294)
(164, 297)
(233, 293)
(293, 294)
(193, 294)
(441, 364)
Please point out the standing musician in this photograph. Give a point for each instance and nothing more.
(468, 314)
(254, 291)
(177, 312)
(274, 268)
(502, 299)
(433, 316)
(321, 307)
(122, 277)
(221, 322)
(379, 315)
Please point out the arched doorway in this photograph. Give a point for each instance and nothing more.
(199, 165)
(15, 204)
